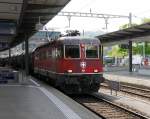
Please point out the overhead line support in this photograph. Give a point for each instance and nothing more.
(92, 15)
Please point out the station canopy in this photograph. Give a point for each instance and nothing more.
(18, 18)
(137, 33)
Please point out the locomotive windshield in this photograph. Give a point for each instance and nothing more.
(91, 51)
(72, 51)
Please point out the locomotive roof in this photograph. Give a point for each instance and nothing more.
(77, 40)
(73, 40)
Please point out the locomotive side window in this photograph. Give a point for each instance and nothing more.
(91, 51)
(59, 52)
(72, 51)
(49, 53)
(37, 56)
(53, 53)
(42, 55)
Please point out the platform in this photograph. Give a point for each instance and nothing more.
(131, 78)
(31, 100)
(135, 104)
(24, 102)
(128, 77)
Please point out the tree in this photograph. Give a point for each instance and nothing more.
(127, 26)
(117, 52)
(137, 47)
(145, 20)
(72, 33)
(146, 44)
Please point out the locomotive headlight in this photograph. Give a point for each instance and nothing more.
(95, 70)
(69, 71)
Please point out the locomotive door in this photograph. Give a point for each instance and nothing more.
(82, 47)
(54, 59)
(82, 62)
(58, 57)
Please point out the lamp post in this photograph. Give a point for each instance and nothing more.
(143, 49)
(130, 45)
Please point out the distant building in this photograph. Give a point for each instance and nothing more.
(42, 37)
(37, 39)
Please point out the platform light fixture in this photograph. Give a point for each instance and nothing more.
(39, 25)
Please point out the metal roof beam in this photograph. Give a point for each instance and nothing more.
(12, 2)
(24, 5)
(115, 35)
(48, 10)
(124, 32)
(134, 30)
(29, 23)
(37, 17)
(8, 20)
(28, 15)
(38, 14)
(42, 6)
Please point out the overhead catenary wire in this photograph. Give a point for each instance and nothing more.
(86, 5)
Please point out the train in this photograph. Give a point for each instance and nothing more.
(72, 64)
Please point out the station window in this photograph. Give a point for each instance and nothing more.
(72, 51)
(91, 51)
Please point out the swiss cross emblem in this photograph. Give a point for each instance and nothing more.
(83, 64)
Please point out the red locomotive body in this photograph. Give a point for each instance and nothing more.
(72, 63)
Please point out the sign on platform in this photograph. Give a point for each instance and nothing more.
(114, 85)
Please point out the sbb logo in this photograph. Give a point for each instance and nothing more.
(83, 65)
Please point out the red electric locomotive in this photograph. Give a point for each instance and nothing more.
(72, 63)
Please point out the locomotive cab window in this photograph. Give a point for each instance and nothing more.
(91, 51)
(72, 51)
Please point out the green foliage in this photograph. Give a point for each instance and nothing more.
(145, 20)
(137, 47)
(147, 48)
(124, 52)
(118, 52)
(127, 26)
(72, 33)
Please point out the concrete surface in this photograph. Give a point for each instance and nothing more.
(127, 77)
(31, 100)
(132, 102)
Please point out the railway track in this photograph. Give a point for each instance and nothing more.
(106, 109)
(133, 90)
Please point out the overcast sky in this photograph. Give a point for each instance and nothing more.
(139, 8)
